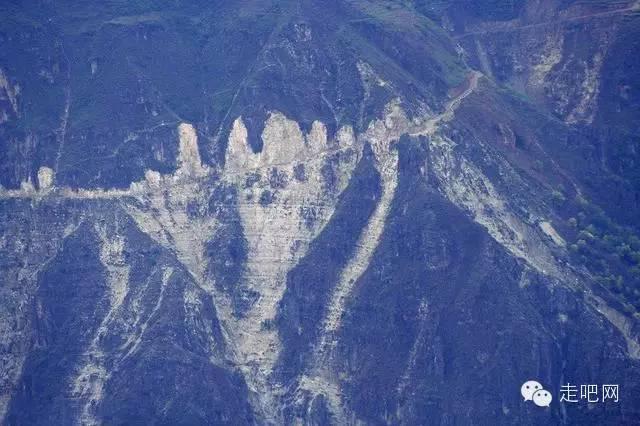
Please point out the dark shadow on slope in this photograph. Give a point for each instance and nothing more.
(446, 325)
(311, 281)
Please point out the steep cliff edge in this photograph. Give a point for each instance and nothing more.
(334, 212)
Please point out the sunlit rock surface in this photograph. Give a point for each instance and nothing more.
(343, 212)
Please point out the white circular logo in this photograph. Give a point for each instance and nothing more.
(542, 398)
(529, 388)
(532, 390)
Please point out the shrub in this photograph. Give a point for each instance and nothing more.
(558, 197)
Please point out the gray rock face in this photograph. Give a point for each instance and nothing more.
(341, 212)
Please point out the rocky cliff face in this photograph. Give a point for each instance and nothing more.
(314, 212)
(576, 60)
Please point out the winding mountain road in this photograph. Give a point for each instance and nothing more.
(506, 27)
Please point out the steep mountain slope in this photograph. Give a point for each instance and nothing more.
(577, 59)
(315, 212)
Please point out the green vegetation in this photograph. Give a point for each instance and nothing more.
(558, 197)
(609, 251)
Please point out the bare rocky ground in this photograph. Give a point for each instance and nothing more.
(355, 229)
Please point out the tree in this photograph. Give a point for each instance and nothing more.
(558, 197)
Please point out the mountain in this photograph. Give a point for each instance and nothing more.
(318, 212)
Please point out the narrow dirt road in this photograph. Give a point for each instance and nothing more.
(507, 28)
(430, 126)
